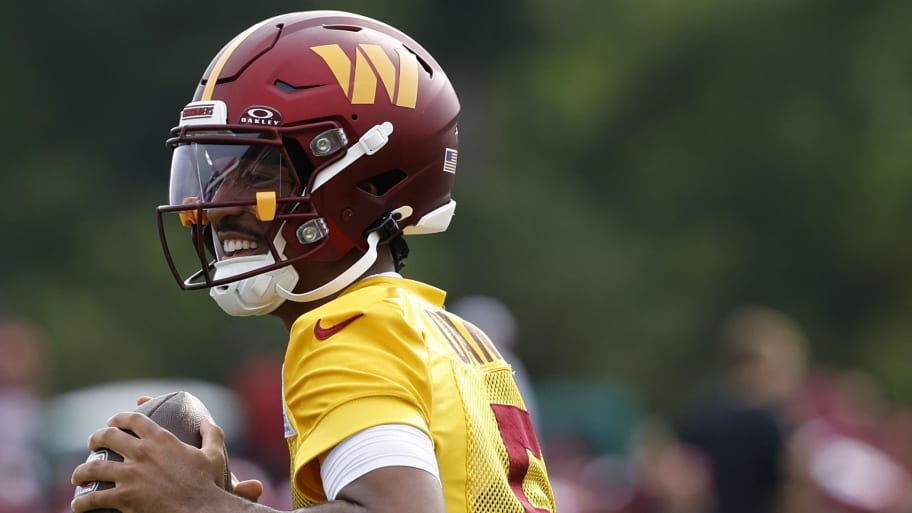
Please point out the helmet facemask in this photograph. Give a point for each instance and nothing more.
(234, 190)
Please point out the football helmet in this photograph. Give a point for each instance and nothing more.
(332, 132)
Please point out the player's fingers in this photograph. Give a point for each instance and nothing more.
(137, 423)
(94, 470)
(142, 399)
(101, 500)
(112, 438)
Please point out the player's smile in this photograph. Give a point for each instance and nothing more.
(239, 241)
(233, 247)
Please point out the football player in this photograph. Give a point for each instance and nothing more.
(315, 142)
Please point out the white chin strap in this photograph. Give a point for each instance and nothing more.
(339, 282)
(255, 295)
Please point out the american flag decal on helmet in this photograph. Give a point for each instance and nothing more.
(449, 160)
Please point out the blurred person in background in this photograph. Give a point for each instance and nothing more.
(314, 143)
(671, 476)
(24, 469)
(848, 453)
(741, 429)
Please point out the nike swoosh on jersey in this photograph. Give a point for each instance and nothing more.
(324, 333)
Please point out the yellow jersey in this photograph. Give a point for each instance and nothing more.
(387, 352)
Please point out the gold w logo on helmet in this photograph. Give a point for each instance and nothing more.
(372, 63)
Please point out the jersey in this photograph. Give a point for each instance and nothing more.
(387, 352)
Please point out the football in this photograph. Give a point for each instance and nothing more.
(180, 413)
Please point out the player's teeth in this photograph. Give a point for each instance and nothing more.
(232, 245)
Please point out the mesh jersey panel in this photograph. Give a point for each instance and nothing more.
(488, 461)
(408, 361)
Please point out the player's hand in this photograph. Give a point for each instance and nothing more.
(159, 472)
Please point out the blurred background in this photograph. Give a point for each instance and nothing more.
(690, 212)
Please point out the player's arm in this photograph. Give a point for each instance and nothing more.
(384, 490)
(160, 474)
(375, 466)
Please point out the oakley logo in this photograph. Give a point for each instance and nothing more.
(372, 63)
(261, 116)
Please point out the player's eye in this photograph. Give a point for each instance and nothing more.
(257, 174)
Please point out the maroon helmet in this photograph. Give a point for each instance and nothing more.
(337, 130)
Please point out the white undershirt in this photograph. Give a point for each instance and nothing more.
(388, 445)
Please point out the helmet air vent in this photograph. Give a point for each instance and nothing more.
(350, 28)
(285, 87)
(424, 64)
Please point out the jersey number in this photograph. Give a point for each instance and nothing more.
(518, 435)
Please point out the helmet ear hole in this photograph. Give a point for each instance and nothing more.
(380, 184)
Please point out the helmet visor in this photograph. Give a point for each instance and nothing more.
(228, 173)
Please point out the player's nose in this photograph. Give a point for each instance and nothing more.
(217, 215)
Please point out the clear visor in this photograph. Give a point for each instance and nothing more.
(221, 173)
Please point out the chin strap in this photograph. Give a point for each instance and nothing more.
(255, 295)
(339, 282)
